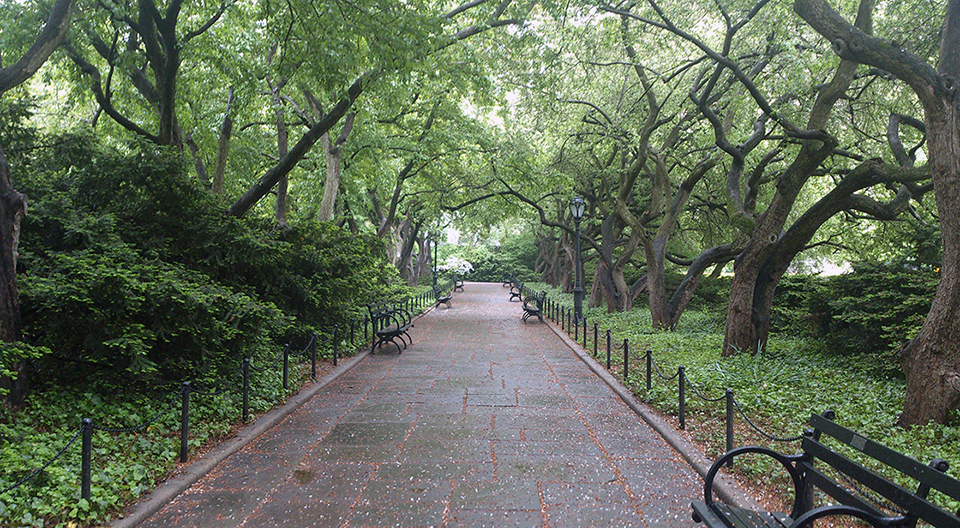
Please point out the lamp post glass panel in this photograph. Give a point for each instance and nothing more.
(576, 211)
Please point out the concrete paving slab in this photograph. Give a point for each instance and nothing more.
(483, 421)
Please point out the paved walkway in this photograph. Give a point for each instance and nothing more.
(483, 421)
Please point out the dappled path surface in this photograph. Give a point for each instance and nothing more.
(483, 421)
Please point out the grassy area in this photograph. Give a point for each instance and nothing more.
(125, 464)
(778, 389)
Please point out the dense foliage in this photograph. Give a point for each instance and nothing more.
(867, 314)
(131, 282)
(128, 267)
(514, 257)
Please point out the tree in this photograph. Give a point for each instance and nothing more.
(931, 361)
(400, 54)
(13, 204)
(772, 159)
(156, 39)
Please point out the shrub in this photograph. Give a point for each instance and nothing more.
(870, 312)
(130, 267)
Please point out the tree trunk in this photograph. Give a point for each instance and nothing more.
(280, 210)
(931, 361)
(333, 151)
(13, 207)
(408, 234)
(331, 184)
(655, 252)
(223, 148)
(868, 174)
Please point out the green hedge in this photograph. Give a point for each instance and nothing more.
(871, 311)
(129, 267)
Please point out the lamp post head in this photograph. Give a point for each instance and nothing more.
(576, 208)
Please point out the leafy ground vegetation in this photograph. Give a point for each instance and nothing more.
(132, 282)
(834, 348)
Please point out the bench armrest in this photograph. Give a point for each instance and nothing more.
(808, 518)
(787, 461)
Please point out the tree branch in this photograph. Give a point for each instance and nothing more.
(53, 33)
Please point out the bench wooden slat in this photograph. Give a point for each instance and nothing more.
(903, 499)
(741, 518)
(918, 471)
(820, 480)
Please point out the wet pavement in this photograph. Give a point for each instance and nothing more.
(483, 421)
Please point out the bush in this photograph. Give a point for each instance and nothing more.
(870, 312)
(493, 264)
(129, 267)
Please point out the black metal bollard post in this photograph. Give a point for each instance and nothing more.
(286, 366)
(730, 424)
(682, 375)
(584, 333)
(649, 368)
(626, 360)
(245, 414)
(576, 331)
(86, 449)
(608, 349)
(336, 345)
(313, 357)
(185, 422)
(595, 330)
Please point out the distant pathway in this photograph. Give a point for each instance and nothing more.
(483, 421)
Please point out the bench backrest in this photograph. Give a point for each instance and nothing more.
(382, 314)
(536, 300)
(913, 503)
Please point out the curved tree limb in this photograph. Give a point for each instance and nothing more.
(52, 35)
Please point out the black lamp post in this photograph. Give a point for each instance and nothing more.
(576, 211)
(434, 274)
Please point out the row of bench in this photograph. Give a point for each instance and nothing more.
(532, 302)
(392, 322)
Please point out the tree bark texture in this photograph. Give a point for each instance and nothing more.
(13, 207)
(333, 151)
